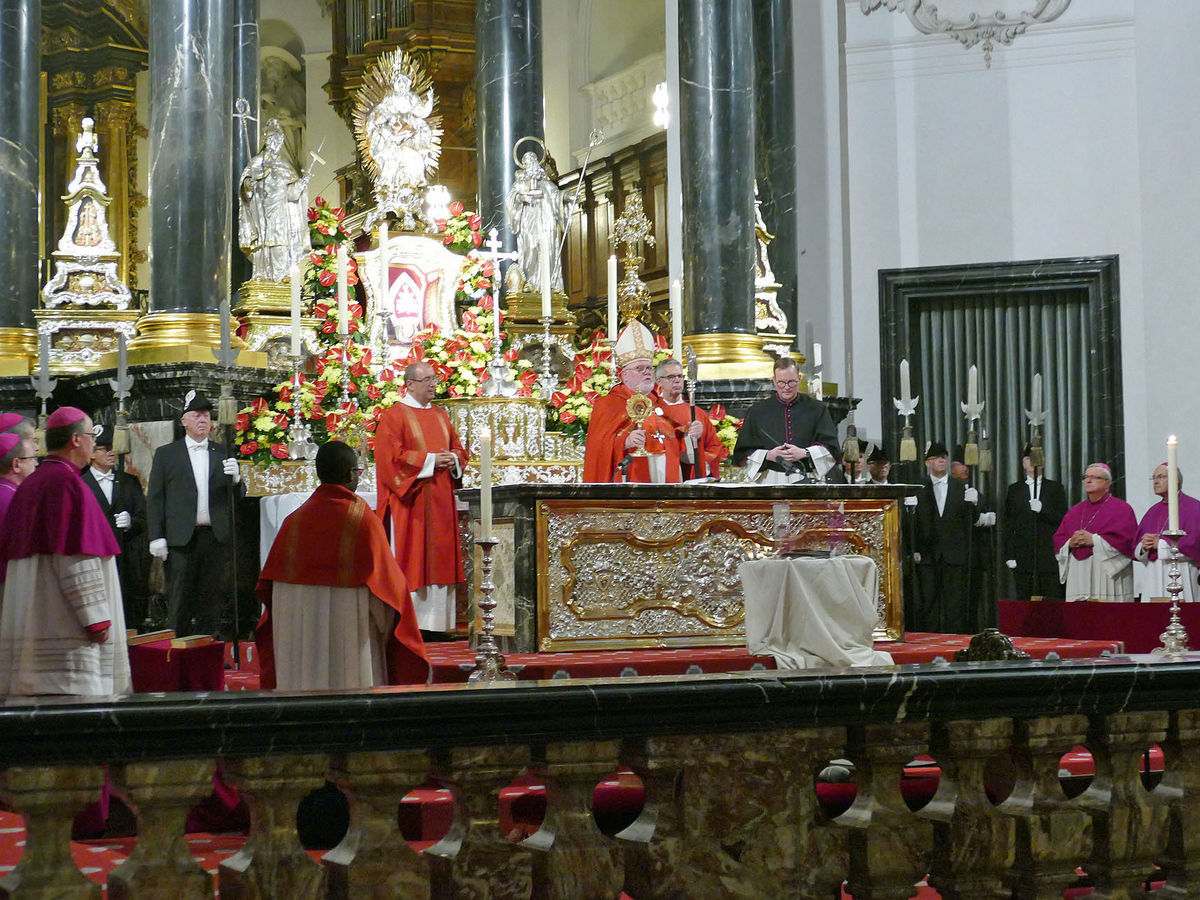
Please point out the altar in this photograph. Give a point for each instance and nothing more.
(628, 566)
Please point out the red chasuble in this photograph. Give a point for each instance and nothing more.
(607, 430)
(1111, 518)
(422, 510)
(334, 539)
(709, 450)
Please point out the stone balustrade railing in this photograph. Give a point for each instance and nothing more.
(729, 765)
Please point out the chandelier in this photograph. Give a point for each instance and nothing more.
(968, 23)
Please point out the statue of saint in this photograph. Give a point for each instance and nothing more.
(273, 227)
(535, 213)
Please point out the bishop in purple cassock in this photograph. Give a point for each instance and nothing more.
(62, 628)
(1094, 543)
(1151, 552)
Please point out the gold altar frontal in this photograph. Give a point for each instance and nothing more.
(613, 566)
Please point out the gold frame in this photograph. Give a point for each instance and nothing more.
(712, 517)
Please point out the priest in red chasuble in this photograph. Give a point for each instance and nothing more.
(338, 614)
(614, 438)
(418, 463)
(700, 450)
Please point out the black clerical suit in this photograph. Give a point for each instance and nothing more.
(134, 561)
(1029, 538)
(803, 422)
(942, 603)
(199, 558)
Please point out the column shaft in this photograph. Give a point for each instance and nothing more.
(245, 133)
(716, 120)
(508, 84)
(191, 181)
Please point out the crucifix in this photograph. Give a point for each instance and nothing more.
(499, 383)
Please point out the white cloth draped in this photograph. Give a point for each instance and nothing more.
(328, 638)
(1105, 575)
(49, 600)
(822, 461)
(1150, 576)
(812, 612)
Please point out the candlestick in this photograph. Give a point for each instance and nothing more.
(545, 276)
(1175, 638)
(485, 484)
(816, 360)
(296, 310)
(1172, 483)
(489, 664)
(612, 299)
(342, 291)
(676, 299)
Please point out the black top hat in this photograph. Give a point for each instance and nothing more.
(937, 448)
(959, 454)
(196, 402)
(104, 436)
(879, 455)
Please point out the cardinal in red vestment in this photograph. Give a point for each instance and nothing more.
(418, 462)
(330, 558)
(614, 437)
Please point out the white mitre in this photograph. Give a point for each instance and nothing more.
(633, 343)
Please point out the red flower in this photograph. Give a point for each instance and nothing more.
(388, 374)
(281, 421)
(440, 223)
(717, 413)
(259, 406)
(476, 238)
(583, 372)
(511, 354)
(373, 392)
(529, 377)
(456, 208)
(448, 239)
(249, 448)
(312, 214)
(524, 392)
(331, 421)
(340, 213)
(474, 222)
(279, 451)
(454, 391)
(486, 303)
(329, 326)
(566, 417)
(320, 202)
(243, 422)
(327, 278)
(660, 342)
(487, 269)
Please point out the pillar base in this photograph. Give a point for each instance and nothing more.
(735, 355)
(18, 350)
(184, 338)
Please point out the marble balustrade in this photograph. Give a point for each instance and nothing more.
(728, 763)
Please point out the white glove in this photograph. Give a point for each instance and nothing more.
(230, 467)
(123, 520)
(910, 501)
(986, 520)
(971, 495)
(158, 548)
(917, 558)
(1035, 504)
(1011, 563)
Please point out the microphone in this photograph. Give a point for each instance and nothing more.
(622, 466)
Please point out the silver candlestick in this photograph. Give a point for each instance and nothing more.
(489, 664)
(300, 442)
(547, 380)
(1174, 639)
(345, 398)
(498, 383)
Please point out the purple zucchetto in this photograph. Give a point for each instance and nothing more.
(65, 415)
(7, 442)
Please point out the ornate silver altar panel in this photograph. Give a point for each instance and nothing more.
(663, 573)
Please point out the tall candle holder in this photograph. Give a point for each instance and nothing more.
(300, 442)
(345, 398)
(1174, 639)
(489, 664)
(547, 380)
(498, 383)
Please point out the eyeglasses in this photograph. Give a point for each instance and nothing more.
(422, 380)
(678, 377)
(786, 383)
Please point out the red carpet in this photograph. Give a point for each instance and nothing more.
(1138, 625)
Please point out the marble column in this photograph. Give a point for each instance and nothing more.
(716, 121)
(245, 132)
(20, 64)
(775, 141)
(508, 87)
(191, 182)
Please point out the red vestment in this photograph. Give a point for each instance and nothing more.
(335, 539)
(422, 510)
(709, 449)
(607, 430)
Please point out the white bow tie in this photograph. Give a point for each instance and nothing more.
(103, 476)
(198, 446)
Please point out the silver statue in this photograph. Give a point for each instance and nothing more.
(273, 231)
(535, 213)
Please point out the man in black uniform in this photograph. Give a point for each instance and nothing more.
(1033, 509)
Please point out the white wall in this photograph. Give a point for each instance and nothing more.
(1075, 143)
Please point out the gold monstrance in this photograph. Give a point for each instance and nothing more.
(638, 408)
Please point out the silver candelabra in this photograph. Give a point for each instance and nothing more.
(300, 442)
(489, 664)
(1174, 639)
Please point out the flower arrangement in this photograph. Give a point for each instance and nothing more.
(571, 408)
(726, 425)
(461, 231)
(475, 280)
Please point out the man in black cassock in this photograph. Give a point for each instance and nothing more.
(788, 435)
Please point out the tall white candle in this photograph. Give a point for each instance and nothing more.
(676, 296)
(1172, 483)
(296, 310)
(343, 262)
(612, 298)
(383, 262)
(485, 484)
(544, 275)
(816, 360)
(905, 390)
